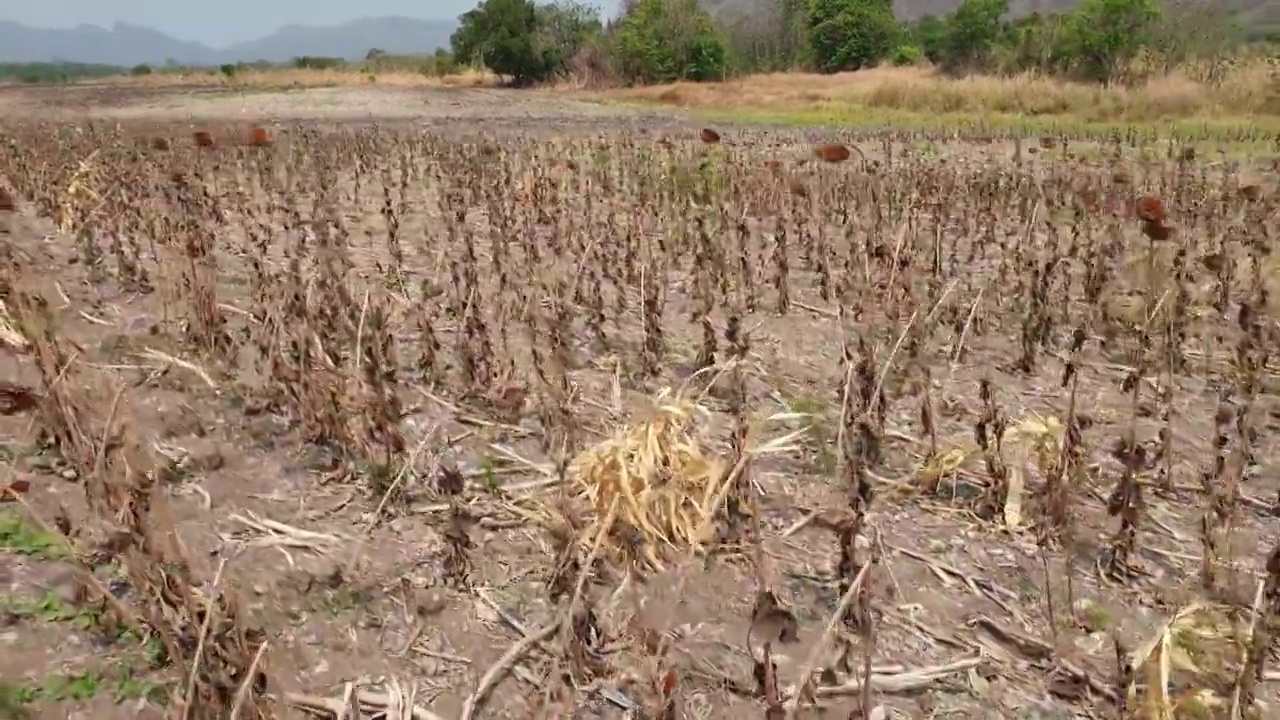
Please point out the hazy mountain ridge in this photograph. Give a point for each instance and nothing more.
(127, 45)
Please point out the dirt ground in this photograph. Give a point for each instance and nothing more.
(346, 596)
(427, 106)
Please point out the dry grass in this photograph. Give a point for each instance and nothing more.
(299, 78)
(1248, 94)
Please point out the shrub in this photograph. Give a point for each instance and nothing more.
(317, 62)
(665, 40)
(1103, 36)
(906, 55)
(500, 34)
(851, 34)
(972, 33)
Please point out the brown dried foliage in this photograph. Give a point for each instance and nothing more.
(498, 296)
(121, 477)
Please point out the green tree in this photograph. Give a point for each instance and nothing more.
(971, 34)
(1035, 42)
(442, 62)
(929, 33)
(665, 40)
(563, 29)
(851, 34)
(502, 35)
(1104, 36)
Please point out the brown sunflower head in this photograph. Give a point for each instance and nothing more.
(1156, 230)
(1150, 209)
(832, 153)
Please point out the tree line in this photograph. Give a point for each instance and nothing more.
(655, 41)
(658, 41)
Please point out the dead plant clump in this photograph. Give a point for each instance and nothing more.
(654, 487)
(200, 629)
(654, 481)
(955, 431)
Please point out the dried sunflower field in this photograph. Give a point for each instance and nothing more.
(634, 420)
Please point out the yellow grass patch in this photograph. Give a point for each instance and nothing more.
(1251, 90)
(302, 78)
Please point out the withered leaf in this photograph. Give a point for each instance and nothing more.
(10, 492)
(449, 481)
(770, 622)
(334, 580)
(670, 683)
(16, 398)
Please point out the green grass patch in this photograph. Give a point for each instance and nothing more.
(78, 687)
(338, 600)
(23, 538)
(48, 608)
(1254, 134)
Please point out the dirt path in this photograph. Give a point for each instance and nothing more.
(347, 104)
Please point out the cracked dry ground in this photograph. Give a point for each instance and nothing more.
(955, 265)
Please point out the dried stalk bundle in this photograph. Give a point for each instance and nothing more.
(1190, 664)
(663, 478)
(10, 338)
(667, 486)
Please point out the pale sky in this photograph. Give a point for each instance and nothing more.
(222, 22)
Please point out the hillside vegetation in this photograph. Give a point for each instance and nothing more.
(1248, 10)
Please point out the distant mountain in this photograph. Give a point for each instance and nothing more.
(353, 40)
(129, 45)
